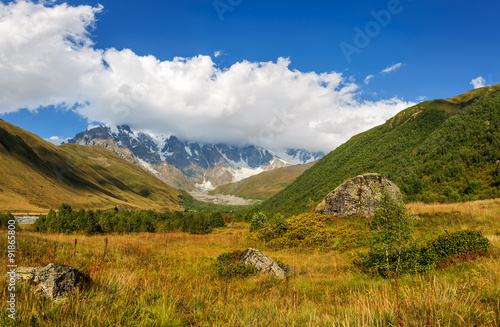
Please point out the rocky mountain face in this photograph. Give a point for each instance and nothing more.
(189, 165)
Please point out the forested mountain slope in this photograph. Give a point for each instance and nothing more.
(440, 150)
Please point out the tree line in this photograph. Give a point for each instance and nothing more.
(66, 220)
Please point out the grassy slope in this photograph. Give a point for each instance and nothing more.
(265, 184)
(36, 175)
(440, 150)
(167, 280)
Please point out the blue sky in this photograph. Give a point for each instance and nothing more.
(435, 49)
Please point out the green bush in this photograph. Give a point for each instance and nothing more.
(268, 228)
(200, 224)
(458, 245)
(216, 220)
(310, 230)
(228, 266)
(411, 259)
(467, 242)
(4, 220)
(258, 221)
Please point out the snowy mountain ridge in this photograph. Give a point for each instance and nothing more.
(207, 165)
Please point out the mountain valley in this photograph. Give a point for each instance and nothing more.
(190, 165)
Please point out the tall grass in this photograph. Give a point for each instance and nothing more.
(167, 280)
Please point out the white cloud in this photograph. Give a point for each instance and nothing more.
(421, 98)
(44, 53)
(392, 68)
(368, 78)
(56, 140)
(478, 82)
(92, 126)
(218, 53)
(48, 58)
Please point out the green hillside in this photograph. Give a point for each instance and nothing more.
(440, 150)
(265, 184)
(36, 175)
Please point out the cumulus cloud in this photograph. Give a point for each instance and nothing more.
(44, 53)
(392, 68)
(478, 82)
(49, 58)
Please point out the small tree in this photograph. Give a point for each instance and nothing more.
(389, 240)
(259, 220)
(390, 236)
(216, 220)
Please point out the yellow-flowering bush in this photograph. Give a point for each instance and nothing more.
(310, 230)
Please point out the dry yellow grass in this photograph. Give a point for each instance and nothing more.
(168, 280)
(483, 208)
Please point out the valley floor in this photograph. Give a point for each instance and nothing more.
(168, 280)
(222, 199)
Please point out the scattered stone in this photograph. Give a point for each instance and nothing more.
(359, 196)
(262, 262)
(415, 217)
(485, 207)
(26, 219)
(54, 281)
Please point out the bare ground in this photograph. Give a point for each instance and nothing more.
(222, 199)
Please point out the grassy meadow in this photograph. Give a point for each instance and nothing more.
(167, 279)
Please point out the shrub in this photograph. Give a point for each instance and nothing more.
(4, 220)
(258, 221)
(268, 228)
(308, 230)
(468, 242)
(216, 220)
(444, 248)
(228, 266)
(200, 224)
(411, 259)
(302, 226)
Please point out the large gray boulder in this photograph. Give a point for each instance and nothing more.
(54, 281)
(359, 196)
(262, 262)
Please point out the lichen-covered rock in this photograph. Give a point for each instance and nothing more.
(262, 262)
(359, 196)
(54, 281)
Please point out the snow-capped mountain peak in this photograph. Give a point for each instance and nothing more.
(224, 163)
